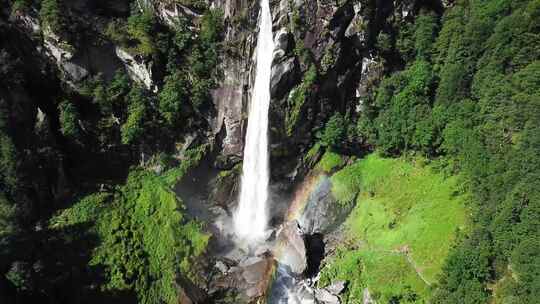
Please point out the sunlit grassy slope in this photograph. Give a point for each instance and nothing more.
(401, 230)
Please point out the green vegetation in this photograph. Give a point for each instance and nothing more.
(8, 226)
(334, 131)
(69, 119)
(50, 14)
(145, 242)
(469, 98)
(141, 28)
(8, 163)
(298, 97)
(137, 35)
(133, 128)
(19, 6)
(330, 161)
(171, 97)
(400, 231)
(312, 156)
(347, 183)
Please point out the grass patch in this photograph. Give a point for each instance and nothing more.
(346, 183)
(405, 218)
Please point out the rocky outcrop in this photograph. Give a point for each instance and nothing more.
(63, 54)
(139, 68)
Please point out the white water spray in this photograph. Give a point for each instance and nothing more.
(251, 216)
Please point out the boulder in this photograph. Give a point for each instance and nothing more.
(251, 278)
(291, 248)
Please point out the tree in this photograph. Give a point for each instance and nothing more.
(424, 35)
(334, 131)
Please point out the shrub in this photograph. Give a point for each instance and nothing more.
(8, 163)
(424, 35)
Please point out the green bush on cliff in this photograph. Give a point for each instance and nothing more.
(69, 119)
(140, 27)
(297, 98)
(8, 226)
(9, 163)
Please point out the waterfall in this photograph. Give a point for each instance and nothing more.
(251, 216)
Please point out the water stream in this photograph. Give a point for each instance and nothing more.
(251, 216)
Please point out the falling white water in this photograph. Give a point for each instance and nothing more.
(251, 216)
